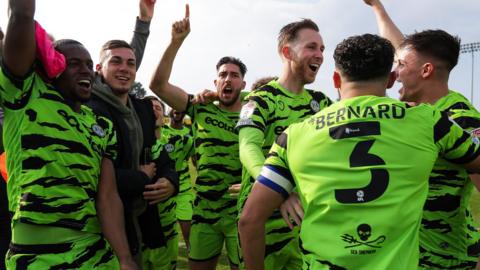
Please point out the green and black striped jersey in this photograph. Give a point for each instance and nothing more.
(271, 109)
(54, 155)
(166, 209)
(179, 145)
(361, 169)
(217, 159)
(447, 224)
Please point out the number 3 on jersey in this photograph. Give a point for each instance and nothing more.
(361, 158)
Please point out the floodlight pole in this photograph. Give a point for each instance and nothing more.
(471, 48)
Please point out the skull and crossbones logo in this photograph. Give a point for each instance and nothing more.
(364, 231)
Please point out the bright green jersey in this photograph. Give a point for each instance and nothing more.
(164, 257)
(179, 145)
(361, 169)
(447, 225)
(217, 160)
(54, 155)
(271, 109)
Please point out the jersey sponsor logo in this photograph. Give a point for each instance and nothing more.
(365, 243)
(315, 106)
(169, 147)
(247, 110)
(98, 130)
(220, 124)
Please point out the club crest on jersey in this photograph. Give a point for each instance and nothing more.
(315, 106)
(247, 110)
(169, 147)
(98, 130)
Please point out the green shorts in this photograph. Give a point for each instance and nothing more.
(206, 240)
(89, 251)
(431, 260)
(184, 205)
(282, 247)
(164, 258)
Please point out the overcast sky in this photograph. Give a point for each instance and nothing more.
(248, 29)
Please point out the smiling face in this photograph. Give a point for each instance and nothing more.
(229, 83)
(75, 83)
(409, 73)
(306, 55)
(118, 69)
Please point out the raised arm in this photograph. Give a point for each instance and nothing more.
(142, 29)
(173, 95)
(19, 46)
(386, 26)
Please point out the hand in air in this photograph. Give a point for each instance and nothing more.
(146, 10)
(181, 29)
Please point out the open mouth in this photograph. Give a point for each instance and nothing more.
(314, 67)
(227, 90)
(122, 78)
(85, 83)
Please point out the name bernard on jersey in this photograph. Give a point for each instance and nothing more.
(381, 111)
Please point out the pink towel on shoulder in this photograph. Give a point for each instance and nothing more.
(52, 60)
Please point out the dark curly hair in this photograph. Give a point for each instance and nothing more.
(365, 57)
(437, 44)
(232, 60)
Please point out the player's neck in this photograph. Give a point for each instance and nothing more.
(290, 83)
(356, 89)
(433, 92)
(235, 107)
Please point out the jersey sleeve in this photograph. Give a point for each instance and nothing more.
(191, 109)
(454, 143)
(111, 142)
(188, 146)
(15, 92)
(275, 173)
(469, 120)
(255, 113)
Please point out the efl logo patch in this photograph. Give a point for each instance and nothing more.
(476, 132)
(476, 136)
(98, 130)
(247, 110)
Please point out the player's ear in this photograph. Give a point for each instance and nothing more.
(286, 52)
(243, 84)
(98, 67)
(337, 80)
(427, 70)
(392, 77)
